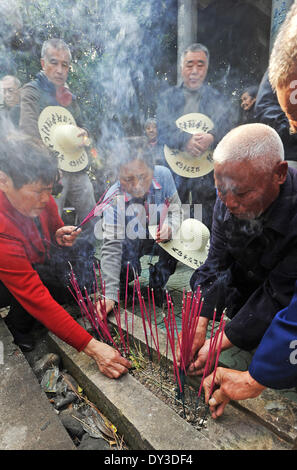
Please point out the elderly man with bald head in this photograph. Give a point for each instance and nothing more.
(274, 364)
(251, 268)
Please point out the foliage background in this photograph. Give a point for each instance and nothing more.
(124, 53)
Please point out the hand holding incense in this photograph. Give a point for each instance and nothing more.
(66, 235)
(164, 231)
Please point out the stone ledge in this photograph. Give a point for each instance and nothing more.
(27, 420)
(281, 420)
(147, 423)
(143, 419)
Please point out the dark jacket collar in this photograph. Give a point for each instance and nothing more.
(44, 83)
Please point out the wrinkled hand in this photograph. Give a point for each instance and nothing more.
(85, 141)
(66, 236)
(109, 306)
(164, 234)
(199, 339)
(108, 360)
(197, 366)
(199, 143)
(233, 385)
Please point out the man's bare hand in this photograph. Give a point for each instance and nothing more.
(66, 236)
(197, 366)
(85, 141)
(108, 360)
(164, 234)
(233, 385)
(199, 143)
(109, 304)
(199, 339)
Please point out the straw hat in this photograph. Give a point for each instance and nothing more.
(59, 133)
(182, 163)
(190, 245)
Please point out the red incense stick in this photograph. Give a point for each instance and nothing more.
(217, 359)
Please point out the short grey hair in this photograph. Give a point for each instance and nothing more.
(149, 122)
(196, 47)
(129, 149)
(256, 142)
(55, 43)
(16, 81)
(283, 58)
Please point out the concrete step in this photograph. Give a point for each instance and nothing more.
(27, 419)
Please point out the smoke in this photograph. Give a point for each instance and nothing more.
(118, 52)
(127, 70)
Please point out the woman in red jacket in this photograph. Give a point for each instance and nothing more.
(30, 231)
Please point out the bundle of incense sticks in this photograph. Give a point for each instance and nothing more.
(171, 329)
(147, 318)
(99, 208)
(191, 309)
(182, 342)
(164, 213)
(215, 347)
(89, 312)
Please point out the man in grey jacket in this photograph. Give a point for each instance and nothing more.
(146, 195)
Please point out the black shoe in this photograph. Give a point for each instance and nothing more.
(26, 346)
(23, 340)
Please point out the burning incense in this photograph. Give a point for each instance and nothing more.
(164, 213)
(141, 302)
(156, 326)
(99, 208)
(217, 357)
(126, 301)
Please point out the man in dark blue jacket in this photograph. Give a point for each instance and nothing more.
(268, 111)
(251, 265)
(275, 361)
(194, 95)
(274, 364)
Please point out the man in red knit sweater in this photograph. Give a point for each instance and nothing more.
(30, 230)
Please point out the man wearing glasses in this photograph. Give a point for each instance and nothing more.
(11, 98)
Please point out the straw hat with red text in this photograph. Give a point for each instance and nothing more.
(190, 245)
(182, 163)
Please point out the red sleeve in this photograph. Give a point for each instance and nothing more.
(25, 285)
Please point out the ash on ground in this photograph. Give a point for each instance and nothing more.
(161, 382)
